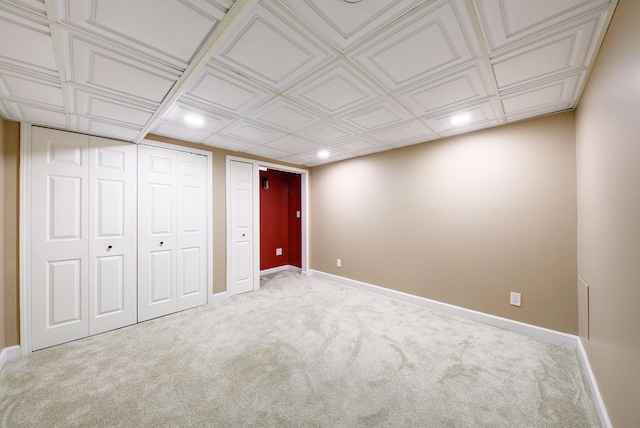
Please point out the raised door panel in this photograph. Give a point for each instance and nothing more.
(191, 226)
(64, 292)
(59, 237)
(156, 232)
(112, 230)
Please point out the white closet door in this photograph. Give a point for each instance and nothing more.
(59, 236)
(191, 230)
(112, 235)
(241, 274)
(156, 232)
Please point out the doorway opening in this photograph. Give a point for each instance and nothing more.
(285, 225)
(280, 221)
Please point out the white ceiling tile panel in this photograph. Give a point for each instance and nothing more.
(433, 40)
(378, 115)
(26, 43)
(227, 90)
(335, 89)
(475, 127)
(103, 128)
(224, 4)
(36, 114)
(292, 144)
(345, 24)
(486, 113)
(556, 95)
(227, 143)
(467, 85)
(361, 145)
(104, 69)
(506, 21)
(271, 49)
(566, 51)
(267, 152)
(331, 158)
(301, 158)
(180, 132)
(532, 113)
(411, 132)
(36, 6)
(311, 157)
(20, 87)
(184, 114)
(97, 105)
(252, 133)
(329, 132)
(189, 23)
(285, 115)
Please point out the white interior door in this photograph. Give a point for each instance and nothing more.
(192, 249)
(156, 232)
(112, 235)
(241, 269)
(59, 231)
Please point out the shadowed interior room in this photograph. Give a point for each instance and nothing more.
(324, 213)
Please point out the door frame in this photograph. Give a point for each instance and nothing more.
(255, 206)
(24, 231)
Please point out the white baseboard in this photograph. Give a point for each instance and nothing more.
(541, 333)
(602, 410)
(8, 354)
(280, 269)
(219, 297)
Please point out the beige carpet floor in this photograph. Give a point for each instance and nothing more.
(301, 352)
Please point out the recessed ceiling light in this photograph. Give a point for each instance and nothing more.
(323, 154)
(461, 119)
(352, 1)
(194, 120)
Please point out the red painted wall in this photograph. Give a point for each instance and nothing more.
(279, 225)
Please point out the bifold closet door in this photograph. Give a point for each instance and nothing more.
(112, 235)
(241, 274)
(172, 231)
(191, 230)
(83, 236)
(156, 232)
(59, 237)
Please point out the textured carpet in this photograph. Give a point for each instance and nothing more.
(301, 352)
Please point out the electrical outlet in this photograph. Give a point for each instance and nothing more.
(278, 251)
(515, 299)
(339, 263)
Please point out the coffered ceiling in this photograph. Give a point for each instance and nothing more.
(286, 79)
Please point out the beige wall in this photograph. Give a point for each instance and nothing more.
(608, 147)
(9, 290)
(463, 220)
